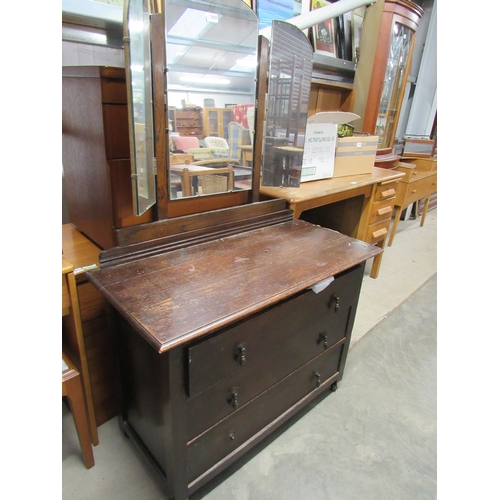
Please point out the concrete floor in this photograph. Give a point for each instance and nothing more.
(374, 438)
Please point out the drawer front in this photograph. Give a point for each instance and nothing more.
(385, 191)
(220, 400)
(228, 435)
(381, 211)
(377, 232)
(422, 188)
(245, 347)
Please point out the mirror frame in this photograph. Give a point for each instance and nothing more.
(142, 144)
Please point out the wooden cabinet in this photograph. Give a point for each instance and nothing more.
(328, 96)
(215, 122)
(188, 121)
(332, 85)
(387, 40)
(96, 153)
(240, 347)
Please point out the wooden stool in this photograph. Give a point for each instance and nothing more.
(72, 388)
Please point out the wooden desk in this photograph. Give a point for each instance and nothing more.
(363, 205)
(199, 390)
(419, 183)
(99, 343)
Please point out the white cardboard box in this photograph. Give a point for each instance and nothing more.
(320, 142)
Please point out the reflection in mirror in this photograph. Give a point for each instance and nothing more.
(289, 84)
(211, 51)
(138, 76)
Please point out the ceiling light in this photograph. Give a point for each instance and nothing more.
(205, 79)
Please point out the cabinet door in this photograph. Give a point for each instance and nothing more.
(216, 121)
(212, 128)
(393, 87)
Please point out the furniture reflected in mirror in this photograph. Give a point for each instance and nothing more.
(196, 180)
(219, 148)
(239, 142)
(211, 49)
(289, 83)
(191, 145)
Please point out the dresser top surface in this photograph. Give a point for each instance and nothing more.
(177, 296)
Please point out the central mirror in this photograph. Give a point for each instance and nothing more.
(211, 51)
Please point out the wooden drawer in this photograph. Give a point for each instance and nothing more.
(377, 232)
(385, 191)
(225, 397)
(421, 188)
(381, 211)
(266, 335)
(232, 432)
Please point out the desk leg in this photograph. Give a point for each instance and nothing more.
(395, 224)
(377, 261)
(424, 212)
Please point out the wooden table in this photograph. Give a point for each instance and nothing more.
(360, 206)
(100, 353)
(190, 173)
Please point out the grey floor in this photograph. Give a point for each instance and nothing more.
(374, 438)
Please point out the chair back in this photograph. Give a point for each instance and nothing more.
(238, 136)
(218, 146)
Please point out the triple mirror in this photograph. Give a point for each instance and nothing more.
(210, 98)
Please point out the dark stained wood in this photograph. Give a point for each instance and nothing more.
(277, 341)
(201, 204)
(159, 65)
(225, 438)
(206, 221)
(184, 294)
(156, 238)
(83, 149)
(260, 113)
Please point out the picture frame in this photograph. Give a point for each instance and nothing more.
(323, 34)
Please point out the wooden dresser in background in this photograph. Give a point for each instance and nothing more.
(99, 343)
(96, 152)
